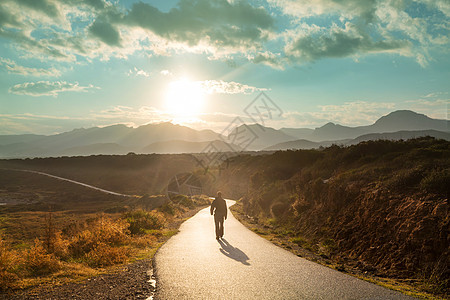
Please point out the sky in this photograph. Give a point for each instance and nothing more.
(202, 63)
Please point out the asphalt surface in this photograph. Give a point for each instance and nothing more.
(193, 265)
(72, 181)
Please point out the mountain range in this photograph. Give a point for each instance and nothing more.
(171, 138)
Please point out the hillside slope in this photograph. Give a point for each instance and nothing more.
(381, 204)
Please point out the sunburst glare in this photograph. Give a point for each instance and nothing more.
(184, 99)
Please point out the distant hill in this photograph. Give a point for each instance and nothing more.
(400, 135)
(171, 138)
(297, 144)
(401, 120)
(187, 147)
(407, 120)
(93, 149)
(257, 136)
(21, 138)
(115, 139)
(331, 131)
(299, 133)
(151, 133)
(392, 136)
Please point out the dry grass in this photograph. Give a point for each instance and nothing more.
(9, 260)
(103, 255)
(39, 262)
(86, 247)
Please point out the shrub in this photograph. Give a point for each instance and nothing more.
(300, 205)
(406, 179)
(144, 241)
(168, 208)
(299, 240)
(140, 221)
(103, 255)
(60, 246)
(102, 230)
(436, 182)
(279, 209)
(39, 262)
(329, 246)
(187, 202)
(9, 261)
(302, 242)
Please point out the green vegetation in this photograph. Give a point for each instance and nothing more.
(141, 221)
(73, 248)
(380, 207)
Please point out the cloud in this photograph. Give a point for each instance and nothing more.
(345, 8)
(355, 27)
(434, 105)
(39, 124)
(47, 88)
(43, 6)
(219, 23)
(268, 58)
(435, 95)
(13, 68)
(214, 27)
(318, 43)
(106, 33)
(355, 112)
(223, 87)
(277, 34)
(138, 72)
(166, 73)
(441, 5)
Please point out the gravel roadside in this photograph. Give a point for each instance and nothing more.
(133, 281)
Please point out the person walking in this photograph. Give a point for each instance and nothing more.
(219, 208)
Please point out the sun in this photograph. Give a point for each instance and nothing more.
(184, 99)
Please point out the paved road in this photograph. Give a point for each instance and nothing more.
(193, 265)
(72, 181)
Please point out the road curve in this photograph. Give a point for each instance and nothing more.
(71, 181)
(193, 265)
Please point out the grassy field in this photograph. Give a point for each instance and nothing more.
(52, 231)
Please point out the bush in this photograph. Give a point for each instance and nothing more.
(183, 200)
(436, 182)
(9, 261)
(279, 209)
(329, 245)
(168, 209)
(299, 241)
(140, 221)
(144, 241)
(39, 262)
(60, 246)
(102, 230)
(406, 179)
(103, 255)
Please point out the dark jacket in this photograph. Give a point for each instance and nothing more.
(220, 207)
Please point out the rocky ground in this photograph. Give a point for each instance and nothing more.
(133, 281)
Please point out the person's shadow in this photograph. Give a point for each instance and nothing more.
(233, 252)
